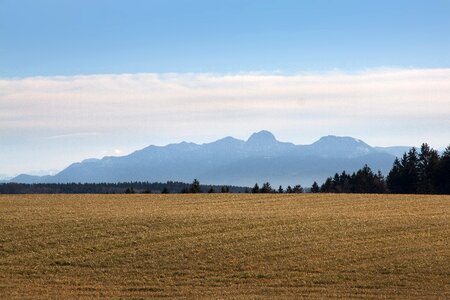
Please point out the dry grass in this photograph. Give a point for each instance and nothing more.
(224, 246)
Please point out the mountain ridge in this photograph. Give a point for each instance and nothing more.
(230, 161)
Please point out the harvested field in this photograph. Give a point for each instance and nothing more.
(225, 246)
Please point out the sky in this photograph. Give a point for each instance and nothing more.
(81, 79)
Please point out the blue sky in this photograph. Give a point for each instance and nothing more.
(62, 37)
(83, 79)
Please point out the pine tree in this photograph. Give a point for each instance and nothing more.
(255, 189)
(195, 187)
(315, 187)
(327, 186)
(443, 173)
(266, 188)
(345, 182)
(280, 190)
(427, 169)
(362, 180)
(394, 179)
(403, 177)
(289, 190)
(335, 184)
(411, 173)
(297, 189)
(379, 183)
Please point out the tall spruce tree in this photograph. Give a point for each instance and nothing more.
(280, 190)
(315, 188)
(443, 173)
(255, 189)
(327, 186)
(195, 187)
(363, 180)
(427, 169)
(394, 179)
(411, 173)
(266, 188)
(404, 176)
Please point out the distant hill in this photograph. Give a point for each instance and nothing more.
(231, 161)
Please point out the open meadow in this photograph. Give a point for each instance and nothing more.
(225, 246)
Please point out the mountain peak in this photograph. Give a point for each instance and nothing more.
(262, 137)
(335, 140)
(228, 139)
(340, 146)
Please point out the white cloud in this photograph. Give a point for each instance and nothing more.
(379, 106)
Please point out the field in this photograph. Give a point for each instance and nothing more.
(225, 246)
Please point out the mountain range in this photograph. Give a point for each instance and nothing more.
(231, 161)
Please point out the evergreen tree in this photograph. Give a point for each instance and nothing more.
(336, 188)
(379, 183)
(442, 176)
(195, 187)
(327, 186)
(289, 190)
(266, 188)
(165, 190)
(404, 176)
(394, 179)
(255, 189)
(427, 169)
(411, 173)
(315, 187)
(345, 182)
(363, 180)
(280, 190)
(225, 189)
(297, 189)
(211, 190)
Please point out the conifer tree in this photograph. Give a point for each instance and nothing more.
(266, 188)
(297, 189)
(443, 173)
(427, 169)
(195, 187)
(280, 190)
(315, 187)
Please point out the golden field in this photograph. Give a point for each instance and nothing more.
(225, 246)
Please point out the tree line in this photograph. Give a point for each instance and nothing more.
(137, 187)
(416, 172)
(423, 172)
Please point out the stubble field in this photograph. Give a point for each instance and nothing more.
(224, 246)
